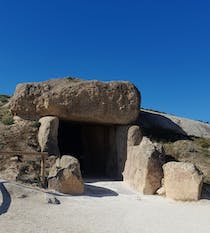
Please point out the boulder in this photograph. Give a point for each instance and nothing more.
(65, 176)
(48, 135)
(182, 181)
(78, 100)
(143, 170)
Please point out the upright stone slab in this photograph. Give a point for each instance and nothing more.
(48, 135)
(182, 181)
(143, 170)
(134, 135)
(78, 100)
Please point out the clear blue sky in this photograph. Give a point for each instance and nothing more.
(163, 47)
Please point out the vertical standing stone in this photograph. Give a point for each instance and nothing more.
(48, 135)
(182, 181)
(143, 170)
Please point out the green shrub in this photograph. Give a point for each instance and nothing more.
(203, 142)
(71, 79)
(2, 145)
(4, 99)
(7, 118)
(36, 124)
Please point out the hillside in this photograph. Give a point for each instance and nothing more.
(4, 99)
(183, 139)
(17, 135)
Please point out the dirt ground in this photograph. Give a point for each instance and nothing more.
(105, 207)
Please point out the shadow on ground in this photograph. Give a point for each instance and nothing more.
(91, 191)
(95, 191)
(6, 199)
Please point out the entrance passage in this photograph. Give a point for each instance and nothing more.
(93, 145)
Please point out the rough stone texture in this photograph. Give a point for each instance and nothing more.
(65, 176)
(182, 181)
(78, 100)
(134, 136)
(48, 135)
(20, 136)
(160, 122)
(143, 169)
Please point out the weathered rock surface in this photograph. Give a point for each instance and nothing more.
(65, 176)
(155, 122)
(182, 181)
(143, 169)
(134, 135)
(48, 135)
(78, 100)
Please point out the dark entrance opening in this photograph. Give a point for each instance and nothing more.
(93, 145)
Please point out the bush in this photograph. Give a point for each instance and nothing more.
(203, 142)
(36, 124)
(2, 145)
(4, 99)
(7, 118)
(71, 79)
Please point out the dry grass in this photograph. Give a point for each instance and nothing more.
(4, 99)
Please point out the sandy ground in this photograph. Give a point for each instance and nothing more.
(106, 207)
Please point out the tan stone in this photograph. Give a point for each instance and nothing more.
(78, 100)
(48, 135)
(143, 170)
(182, 181)
(161, 191)
(65, 176)
(134, 135)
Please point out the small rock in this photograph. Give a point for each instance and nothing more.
(22, 196)
(14, 159)
(161, 191)
(52, 200)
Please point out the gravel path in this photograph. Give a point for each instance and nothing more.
(106, 207)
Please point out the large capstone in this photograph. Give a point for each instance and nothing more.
(78, 100)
